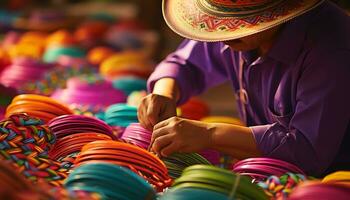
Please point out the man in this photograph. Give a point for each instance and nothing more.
(289, 65)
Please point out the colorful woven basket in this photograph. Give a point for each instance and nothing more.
(60, 37)
(23, 71)
(342, 177)
(69, 125)
(279, 188)
(4, 59)
(90, 90)
(67, 148)
(130, 84)
(127, 63)
(55, 78)
(261, 168)
(137, 135)
(25, 141)
(219, 180)
(90, 31)
(109, 181)
(98, 54)
(42, 107)
(30, 45)
(53, 53)
(121, 115)
(140, 161)
(177, 162)
(316, 190)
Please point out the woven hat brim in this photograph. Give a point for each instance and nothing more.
(185, 18)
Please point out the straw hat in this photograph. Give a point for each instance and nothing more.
(221, 20)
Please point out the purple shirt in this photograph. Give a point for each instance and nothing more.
(299, 97)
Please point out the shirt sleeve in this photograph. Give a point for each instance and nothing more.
(319, 123)
(196, 66)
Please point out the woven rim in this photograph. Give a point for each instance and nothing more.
(188, 19)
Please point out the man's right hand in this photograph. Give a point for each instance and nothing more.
(155, 108)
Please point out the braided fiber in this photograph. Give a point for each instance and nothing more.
(25, 141)
(13, 186)
(279, 188)
(67, 162)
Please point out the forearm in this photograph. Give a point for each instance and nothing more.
(167, 87)
(237, 153)
(196, 66)
(237, 141)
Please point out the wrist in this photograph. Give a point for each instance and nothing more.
(167, 87)
(211, 129)
(236, 138)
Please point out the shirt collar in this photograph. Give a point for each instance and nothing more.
(248, 56)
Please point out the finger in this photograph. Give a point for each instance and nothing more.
(169, 149)
(161, 142)
(160, 129)
(140, 117)
(143, 119)
(158, 133)
(167, 113)
(153, 113)
(163, 123)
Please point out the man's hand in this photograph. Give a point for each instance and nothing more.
(180, 135)
(160, 105)
(155, 108)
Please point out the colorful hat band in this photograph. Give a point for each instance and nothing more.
(237, 10)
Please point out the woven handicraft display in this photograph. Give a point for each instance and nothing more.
(25, 141)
